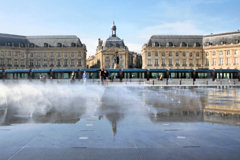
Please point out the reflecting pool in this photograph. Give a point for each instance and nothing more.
(71, 121)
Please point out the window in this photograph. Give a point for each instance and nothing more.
(207, 54)
(9, 61)
(44, 62)
(72, 54)
(38, 54)
(107, 57)
(198, 61)
(170, 61)
(51, 62)
(228, 52)
(59, 62)
(149, 62)
(228, 61)
(236, 52)
(177, 62)
(2, 53)
(190, 54)
(65, 54)
(65, 62)
(79, 62)
(156, 54)
(214, 61)
(38, 62)
(207, 62)
(236, 61)
(72, 62)
(121, 56)
(184, 54)
(44, 54)
(221, 61)
(31, 54)
(191, 62)
(156, 62)
(163, 61)
(2, 61)
(220, 53)
(214, 53)
(79, 54)
(52, 55)
(58, 55)
(170, 54)
(177, 54)
(31, 62)
(9, 54)
(16, 54)
(163, 54)
(197, 54)
(149, 54)
(184, 62)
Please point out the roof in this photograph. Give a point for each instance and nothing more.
(181, 70)
(134, 70)
(157, 70)
(114, 41)
(222, 38)
(176, 40)
(39, 41)
(226, 70)
(203, 70)
(40, 70)
(90, 69)
(17, 70)
(65, 70)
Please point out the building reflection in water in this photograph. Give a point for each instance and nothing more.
(215, 105)
(112, 107)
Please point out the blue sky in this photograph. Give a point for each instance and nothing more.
(136, 20)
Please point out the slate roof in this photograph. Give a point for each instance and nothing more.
(175, 40)
(39, 41)
(222, 38)
(114, 41)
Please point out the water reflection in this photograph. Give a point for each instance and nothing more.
(159, 104)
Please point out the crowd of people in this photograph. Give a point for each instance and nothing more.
(103, 75)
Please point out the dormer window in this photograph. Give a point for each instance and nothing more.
(59, 45)
(156, 44)
(183, 44)
(169, 44)
(31, 45)
(236, 41)
(73, 44)
(22, 45)
(222, 42)
(46, 45)
(9, 44)
(197, 44)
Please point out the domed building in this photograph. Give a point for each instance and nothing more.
(112, 53)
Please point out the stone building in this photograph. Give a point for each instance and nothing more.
(106, 51)
(173, 51)
(134, 60)
(39, 52)
(214, 51)
(222, 51)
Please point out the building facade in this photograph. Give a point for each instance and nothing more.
(172, 51)
(222, 51)
(39, 52)
(106, 51)
(215, 51)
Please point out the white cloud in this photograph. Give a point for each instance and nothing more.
(135, 47)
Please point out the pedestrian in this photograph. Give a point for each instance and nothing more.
(106, 76)
(73, 75)
(85, 77)
(101, 76)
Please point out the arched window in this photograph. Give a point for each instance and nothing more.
(59, 45)
(184, 44)
(198, 44)
(169, 44)
(45, 44)
(73, 44)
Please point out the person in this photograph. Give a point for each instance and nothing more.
(73, 75)
(85, 76)
(101, 76)
(106, 77)
(161, 77)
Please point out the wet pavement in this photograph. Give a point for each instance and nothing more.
(119, 122)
